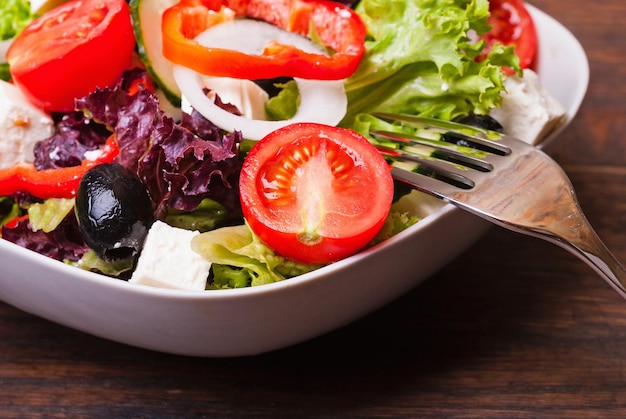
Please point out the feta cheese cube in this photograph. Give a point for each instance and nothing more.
(167, 260)
(22, 125)
(528, 111)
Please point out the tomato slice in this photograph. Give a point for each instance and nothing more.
(315, 193)
(512, 24)
(69, 51)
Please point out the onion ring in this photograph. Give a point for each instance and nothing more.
(321, 101)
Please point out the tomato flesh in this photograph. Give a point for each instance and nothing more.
(315, 193)
(71, 50)
(512, 24)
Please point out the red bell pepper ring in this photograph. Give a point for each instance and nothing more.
(336, 25)
(52, 183)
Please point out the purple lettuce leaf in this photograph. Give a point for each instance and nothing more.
(75, 134)
(180, 163)
(63, 243)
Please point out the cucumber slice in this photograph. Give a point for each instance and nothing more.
(146, 18)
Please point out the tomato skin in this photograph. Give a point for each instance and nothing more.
(512, 24)
(69, 51)
(315, 193)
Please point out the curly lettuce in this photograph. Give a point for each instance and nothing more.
(240, 259)
(48, 215)
(421, 59)
(14, 16)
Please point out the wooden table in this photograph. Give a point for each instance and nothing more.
(514, 327)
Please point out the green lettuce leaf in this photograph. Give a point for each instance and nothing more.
(246, 260)
(47, 216)
(4, 72)
(395, 223)
(285, 104)
(239, 259)
(207, 216)
(91, 262)
(14, 16)
(420, 59)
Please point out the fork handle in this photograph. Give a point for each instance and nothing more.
(595, 254)
(566, 226)
(582, 242)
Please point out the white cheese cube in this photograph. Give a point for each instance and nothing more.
(167, 260)
(528, 111)
(22, 125)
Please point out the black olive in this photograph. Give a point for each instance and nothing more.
(479, 121)
(482, 121)
(114, 211)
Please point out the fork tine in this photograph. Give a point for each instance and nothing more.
(433, 168)
(481, 138)
(439, 151)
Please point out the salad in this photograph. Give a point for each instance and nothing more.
(230, 138)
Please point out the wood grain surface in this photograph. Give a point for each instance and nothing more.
(513, 328)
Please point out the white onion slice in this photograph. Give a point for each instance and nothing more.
(321, 101)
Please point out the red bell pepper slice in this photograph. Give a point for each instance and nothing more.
(52, 183)
(337, 26)
(14, 222)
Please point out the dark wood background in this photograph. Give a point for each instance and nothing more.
(514, 327)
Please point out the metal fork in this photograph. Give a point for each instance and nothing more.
(499, 178)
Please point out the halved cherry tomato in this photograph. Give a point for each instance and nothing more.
(69, 51)
(512, 24)
(315, 193)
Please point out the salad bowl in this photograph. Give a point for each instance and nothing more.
(255, 320)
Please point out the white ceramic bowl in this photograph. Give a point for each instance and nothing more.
(256, 320)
